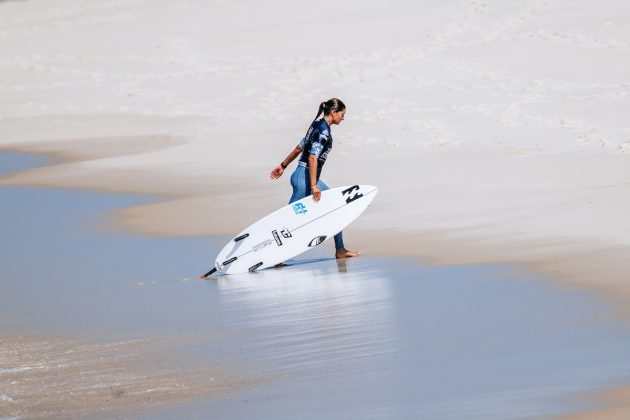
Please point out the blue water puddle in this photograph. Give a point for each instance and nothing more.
(60, 260)
(13, 162)
(363, 338)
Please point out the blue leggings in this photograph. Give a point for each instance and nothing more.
(301, 183)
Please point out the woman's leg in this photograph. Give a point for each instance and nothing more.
(338, 237)
(298, 184)
(299, 190)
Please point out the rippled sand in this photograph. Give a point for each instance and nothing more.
(56, 377)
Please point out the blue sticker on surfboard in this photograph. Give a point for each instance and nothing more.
(299, 208)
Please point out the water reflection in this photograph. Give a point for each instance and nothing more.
(313, 314)
(382, 336)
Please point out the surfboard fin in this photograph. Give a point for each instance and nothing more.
(254, 267)
(240, 238)
(230, 261)
(208, 273)
(214, 270)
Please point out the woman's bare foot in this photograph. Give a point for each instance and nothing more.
(344, 253)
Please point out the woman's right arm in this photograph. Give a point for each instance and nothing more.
(278, 170)
(312, 173)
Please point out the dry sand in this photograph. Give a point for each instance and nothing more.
(496, 132)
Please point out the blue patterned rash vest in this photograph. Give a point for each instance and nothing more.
(318, 141)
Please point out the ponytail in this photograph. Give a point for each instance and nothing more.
(321, 110)
(327, 107)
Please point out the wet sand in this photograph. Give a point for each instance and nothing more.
(116, 324)
(75, 377)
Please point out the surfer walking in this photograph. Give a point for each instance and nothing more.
(313, 151)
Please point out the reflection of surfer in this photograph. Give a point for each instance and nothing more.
(341, 266)
(313, 150)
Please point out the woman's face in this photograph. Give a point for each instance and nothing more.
(338, 116)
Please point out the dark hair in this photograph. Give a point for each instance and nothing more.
(329, 106)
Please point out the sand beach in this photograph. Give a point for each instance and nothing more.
(497, 133)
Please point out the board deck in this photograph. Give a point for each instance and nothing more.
(293, 229)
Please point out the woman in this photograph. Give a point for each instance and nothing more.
(313, 150)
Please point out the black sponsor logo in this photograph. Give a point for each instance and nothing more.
(277, 237)
(286, 233)
(351, 197)
(316, 241)
(262, 245)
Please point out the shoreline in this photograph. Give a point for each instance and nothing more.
(561, 259)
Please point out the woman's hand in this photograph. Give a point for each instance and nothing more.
(317, 193)
(277, 172)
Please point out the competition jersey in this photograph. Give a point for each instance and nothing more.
(318, 141)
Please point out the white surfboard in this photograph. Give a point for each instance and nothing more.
(293, 229)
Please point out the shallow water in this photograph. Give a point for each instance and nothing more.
(378, 338)
(363, 338)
